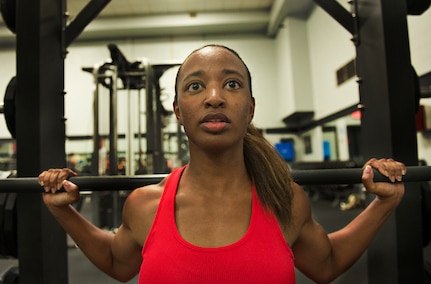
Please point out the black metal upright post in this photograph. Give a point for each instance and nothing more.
(40, 135)
(153, 133)
(388, 130)
(380, 33)
(113, 123)
(160, 164)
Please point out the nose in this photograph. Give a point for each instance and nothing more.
(215, 98)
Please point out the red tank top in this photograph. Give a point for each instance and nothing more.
(260, 256)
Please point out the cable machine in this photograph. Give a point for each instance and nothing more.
(119, 74)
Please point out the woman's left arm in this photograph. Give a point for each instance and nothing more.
(338, 251)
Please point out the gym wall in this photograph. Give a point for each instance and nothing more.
(328, 46)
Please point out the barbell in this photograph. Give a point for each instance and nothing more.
(10, 187)
(303, 177)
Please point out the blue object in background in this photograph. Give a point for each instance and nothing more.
(286, 150)
(326, 150)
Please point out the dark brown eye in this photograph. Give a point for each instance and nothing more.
(194, 87)
(233, 84)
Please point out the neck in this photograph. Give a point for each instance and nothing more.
(221, 171)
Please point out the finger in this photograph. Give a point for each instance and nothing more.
(387, 167)
(41, 177)
(53, 178)
(395, 170)
(401, 171)
(53, 181)
(45, 178)
(62, 176)
(66, 173)
(390, 168)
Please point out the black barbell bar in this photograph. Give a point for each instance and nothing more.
(354, 175)
(303, 177)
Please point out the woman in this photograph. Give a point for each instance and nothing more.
(233, 214)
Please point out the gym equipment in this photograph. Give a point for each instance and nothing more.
(44, 35)
(132, 74)
(114, 183)
(374, 16)
(10, 275)
(9, 106)
(3, 247)
(9, 188)
(137, 75)
(8, 12)
(8, 223)
(417, 7)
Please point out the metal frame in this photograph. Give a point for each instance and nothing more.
(40, 136)
(380, 35)
(385, 92)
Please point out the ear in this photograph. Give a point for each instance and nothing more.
(252, 107)
(177, 112)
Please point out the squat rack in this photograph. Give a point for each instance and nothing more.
(387, 106)
(387, 103)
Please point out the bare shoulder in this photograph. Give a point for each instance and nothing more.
(140, 209)
(146, 195)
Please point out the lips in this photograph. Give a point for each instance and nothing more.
(215, 123)
(215, 117)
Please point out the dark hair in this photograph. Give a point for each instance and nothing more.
(268, 171)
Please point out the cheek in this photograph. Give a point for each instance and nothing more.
(184, 115)
(247, 110)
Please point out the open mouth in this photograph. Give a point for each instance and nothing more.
(215, 122)
(214, 118)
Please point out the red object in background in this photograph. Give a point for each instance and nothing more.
(357, 114)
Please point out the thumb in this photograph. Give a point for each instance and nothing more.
(72, 191)
(368, 178)
(69, 186)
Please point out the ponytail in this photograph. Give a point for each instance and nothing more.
(269, 173)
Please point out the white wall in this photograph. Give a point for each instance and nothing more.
(329, 46)
(420, 42)
(257, 52)
(293, 68)
(7, 71)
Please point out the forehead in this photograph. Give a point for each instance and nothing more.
(212, 57)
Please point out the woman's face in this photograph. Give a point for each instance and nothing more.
(214, 103)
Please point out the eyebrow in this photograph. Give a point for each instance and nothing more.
(225, 71)
(193, 74)
(230, 71)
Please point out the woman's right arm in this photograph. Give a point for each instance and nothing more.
(118, 255)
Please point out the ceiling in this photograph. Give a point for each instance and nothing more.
(152, 18)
